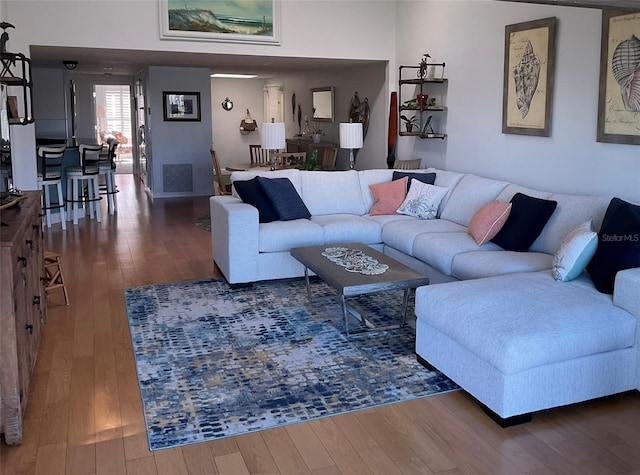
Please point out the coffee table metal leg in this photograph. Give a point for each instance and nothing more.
(306, 280)
(405, 304)
(345, 314)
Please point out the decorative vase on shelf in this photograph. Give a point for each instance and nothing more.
(317, 138)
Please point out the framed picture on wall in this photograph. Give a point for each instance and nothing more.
(619, 92)
(231, 21)
(529, 59)
(181, 106)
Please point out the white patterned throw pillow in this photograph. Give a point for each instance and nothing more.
(423, 200)
(575, 252)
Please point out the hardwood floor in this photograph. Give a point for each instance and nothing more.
(84, 413)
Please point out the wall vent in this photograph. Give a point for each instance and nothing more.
(177, 178)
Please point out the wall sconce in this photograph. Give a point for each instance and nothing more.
(70, 65)
(273, 138)
(227, 104)
(248, 125)
(351, 137)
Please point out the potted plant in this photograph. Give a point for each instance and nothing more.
(410, 122)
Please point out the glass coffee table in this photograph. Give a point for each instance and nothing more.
(354, 269)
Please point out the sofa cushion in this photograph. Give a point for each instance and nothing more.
(401, 234)
(510, 190)
(428, 178)
(284, 198)
(531, 320)
(291, 173)
(575, 253)
(332, 192)
(339, 228)
(525, 222)
(252, 193)
(469, 195)
(423, 200)
(480, 264)
(571, 212)
(447, 179)
(389, 196)
(280, 236)
(488, 220)
(618, 244)
(439, 249)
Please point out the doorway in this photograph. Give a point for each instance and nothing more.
(113, 119)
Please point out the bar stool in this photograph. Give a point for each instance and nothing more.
(79, 177)
(53, 278)
(107, 167)
(50, 174)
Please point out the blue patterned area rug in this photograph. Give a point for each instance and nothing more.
(215, 361)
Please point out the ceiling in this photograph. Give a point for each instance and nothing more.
(119, 62)
(129, 62)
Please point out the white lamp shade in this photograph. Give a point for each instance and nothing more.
(351, 135)
(273, 136)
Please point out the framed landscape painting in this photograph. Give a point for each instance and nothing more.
(529, 58)
(619, 93)
(230, 21)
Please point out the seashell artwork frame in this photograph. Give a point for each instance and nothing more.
(619, 91)
(529, 70)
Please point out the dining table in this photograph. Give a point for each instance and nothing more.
(243, 167)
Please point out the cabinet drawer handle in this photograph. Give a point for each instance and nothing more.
(30, 243)
(22, 260)
(30, 328)
(36, 300)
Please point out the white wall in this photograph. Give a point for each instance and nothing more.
(350, 29)
(469, 37)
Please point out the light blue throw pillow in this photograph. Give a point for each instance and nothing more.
(575, 253)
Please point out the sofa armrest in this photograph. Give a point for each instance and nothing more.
(626, 295)
(626, 292)
(234, 238)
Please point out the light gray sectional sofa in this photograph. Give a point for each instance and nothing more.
(494, 321)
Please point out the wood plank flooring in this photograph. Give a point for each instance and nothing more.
(84, 414)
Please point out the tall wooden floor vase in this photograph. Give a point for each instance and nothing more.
(53, 277)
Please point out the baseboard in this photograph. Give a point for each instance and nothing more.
(509, 421)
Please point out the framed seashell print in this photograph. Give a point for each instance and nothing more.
(619, 94)
(529, 60)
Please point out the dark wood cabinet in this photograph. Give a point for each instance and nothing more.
(22, 308)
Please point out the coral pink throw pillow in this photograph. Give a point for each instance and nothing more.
(389, 196)
(488, 220)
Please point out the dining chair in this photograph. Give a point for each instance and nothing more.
(290, 159)
(50, 174)
(220, 185)
(407, 164)
(259, 156)
(328, 160)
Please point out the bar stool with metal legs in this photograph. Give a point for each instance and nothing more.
(79, 177)
(50, 174)
(107, 167)
(53, 278)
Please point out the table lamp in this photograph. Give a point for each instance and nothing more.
(273, 138)
(351, 137)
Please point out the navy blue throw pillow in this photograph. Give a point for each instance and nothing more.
(618, 244)
(428, 178)
(284, 198)
(251, 193)
(526, 220)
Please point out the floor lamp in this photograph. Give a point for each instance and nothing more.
(351, 137)
(273, 138)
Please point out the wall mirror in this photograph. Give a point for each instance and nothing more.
(322, 102)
